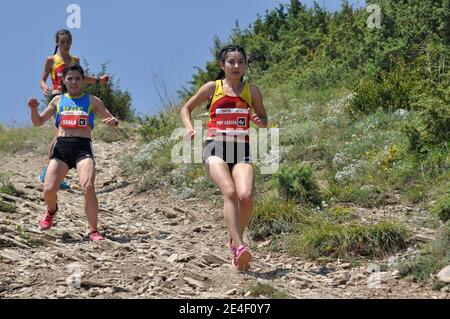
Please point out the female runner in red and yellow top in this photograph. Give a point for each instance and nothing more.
(227, 152)
(55, 64)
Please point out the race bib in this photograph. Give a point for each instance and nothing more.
(74, 119)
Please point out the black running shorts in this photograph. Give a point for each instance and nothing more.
(72, 150)
(231, 152)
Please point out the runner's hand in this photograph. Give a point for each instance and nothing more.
(256, 119)
(104, 79)
(45, 89)
(190, 134)
(111, 122)
(33, 103)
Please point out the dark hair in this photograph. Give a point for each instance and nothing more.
(222, 57)
(62, 33)
(72, 67)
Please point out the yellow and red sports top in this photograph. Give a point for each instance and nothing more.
(57, 71)
(230, 115)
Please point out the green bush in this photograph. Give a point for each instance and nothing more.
(6, 187)
(153, 127)
(419, 267)
(117, 101)
(7, 208)
(339, 214)
(109, 135)
(30, 139)
(364, 195)
(442, 208)
(153, 167)
(297, 183)
(433, 257)
(366, 99)
(31, 240)
(431, 128)
(389, 90)
(265, 290)
(271, 216)
(322, 238)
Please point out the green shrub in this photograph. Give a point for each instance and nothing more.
(7, 208)
(364, 195)
(116, 100)
(322, 238)
(31, 240)
(297, 183)
(272, 216)
(442, 208)
(155, 171)
(6, 187)
(110, 135)
(419, 267)
(434, 256)
(389, 90)
(414, 193)
(153, 127)
(431, 127)
(339, 214)
(265, 290)
(366, 99)
(35, 139)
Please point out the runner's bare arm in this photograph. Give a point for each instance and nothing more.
(39, 119)
(203, 95)
(99, 108)
(260, 115)
(47, 70)
(91, 80)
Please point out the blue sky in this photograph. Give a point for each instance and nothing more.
(145, 42)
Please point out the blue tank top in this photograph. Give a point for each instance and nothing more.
(74, 112)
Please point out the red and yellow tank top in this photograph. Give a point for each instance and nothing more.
(57, 71)
(230, 115)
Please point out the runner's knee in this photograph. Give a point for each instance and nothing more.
(50, 189)
(88, 187)
(230, 194)
(245, 196)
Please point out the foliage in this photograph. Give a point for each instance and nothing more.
(258, 289)
(434, 257)
(152, 127)
(316, 48)
(442, 208)
(322, 238)
(6, 187)
(116, 100)
(297, 183)
(272, 216)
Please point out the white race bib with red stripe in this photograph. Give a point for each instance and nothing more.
(74, 119)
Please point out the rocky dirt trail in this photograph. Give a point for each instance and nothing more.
(159, 248)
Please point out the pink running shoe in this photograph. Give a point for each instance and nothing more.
(95, 235)
(47, 221)
(231, 247)
(242, 259)
(233, 262)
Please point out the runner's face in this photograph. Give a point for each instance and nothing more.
(234, 65)
(64, 43)
(73, 82)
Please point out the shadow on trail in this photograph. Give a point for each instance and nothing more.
(277, 273)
